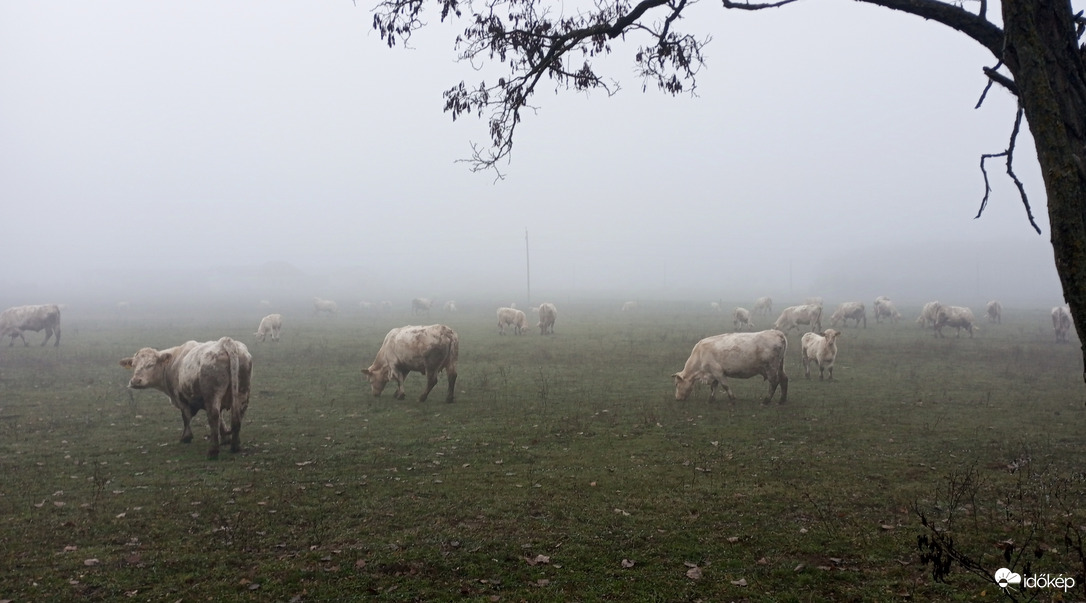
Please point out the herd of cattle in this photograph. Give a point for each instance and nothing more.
(215, 376)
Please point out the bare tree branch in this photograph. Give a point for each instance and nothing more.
(1009, 154)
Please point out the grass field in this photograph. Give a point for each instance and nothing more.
(564, 471)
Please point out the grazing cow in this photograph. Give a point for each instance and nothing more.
(958, 317)
(326, 306)
(421, 305)
(763, 305)
(819, 349)
(629, 306)
(1061, 323)
(714, 306)
(849, 311)
(995, 312)
(741, 319)
(928, 314)
(814, 301)
(428, 350)
(512, 317)
(212, 376)
(793, 316)
(14, 321)
(450, 306)
(738, 355)
(270, 325)
(884, 308)
(547, 314)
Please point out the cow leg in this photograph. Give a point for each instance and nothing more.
(214, 421)
(821, 373)
(56, 338)
(186, 422)
(712, 390)
(431, 381)
(831, 373)
(400, 395)
(450, 376)
(48, 334)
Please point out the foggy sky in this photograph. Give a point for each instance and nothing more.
(831, 149)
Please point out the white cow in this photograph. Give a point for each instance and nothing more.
(958, 317)
(884, 308)
(630, 306)
(212, 376)
(514, 318)
(421, 305)
(819, 349)
(763, 305)
(995, 312)
(428, 350)
(547, 315)
(793, 316)
(1061, 323)
(450, 306)
(270, 325)
(14, 321)
(849, 311)
(928, 314)
(741, 319)
(714, 306)
(814, 301)
(738, 355)
(325, 306)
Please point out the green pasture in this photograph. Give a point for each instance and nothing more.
(564, 471)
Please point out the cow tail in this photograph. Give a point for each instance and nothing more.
(235, 405)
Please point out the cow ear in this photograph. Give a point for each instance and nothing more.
(127, 363)
(677, 378)
(164, 358)
(367, 372)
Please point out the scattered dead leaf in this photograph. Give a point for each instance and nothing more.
(538, 560)
(733, 539)
(91, 562)
(626, 563)
(740, 582)
(694, 573)
(886, 526)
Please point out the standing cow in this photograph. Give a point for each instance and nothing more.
(212, 376)
(511, 317)
(325, 306)
(547, 315)
(793, 316)
(14, 321)
(428, 350)
(884, 308)
(958, 317)
(1061, 323)
(928, 314)
(819, 349)
(270, 325)
(421, 305)
(741, 319)
(763, 306)
(849, 311)
(738, 355)
(995, 312)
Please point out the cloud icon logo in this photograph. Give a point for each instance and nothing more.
(1005, 577)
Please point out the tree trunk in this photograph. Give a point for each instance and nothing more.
(1042, 53)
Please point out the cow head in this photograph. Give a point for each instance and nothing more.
(378, 378)
(146, 366)
(831, 335)
(683, 387)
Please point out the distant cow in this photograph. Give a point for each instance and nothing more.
(212, 376)
(512, 317)
(270, 325)
(629, 306)
(814, 301)
(325, 306)
(421, 305)
(714, 306)
(741, 319)
(819, 349)
(884, 308)
(995, 312)
(1061, 323)
(793, 316)
(738, 355)
(958, 317)
(428, 350)
(763, 305)
(849, 311)
(450, 306)
(547, 314)
(14, 321)
(928, 314)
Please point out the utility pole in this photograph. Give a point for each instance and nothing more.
(528, 262)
